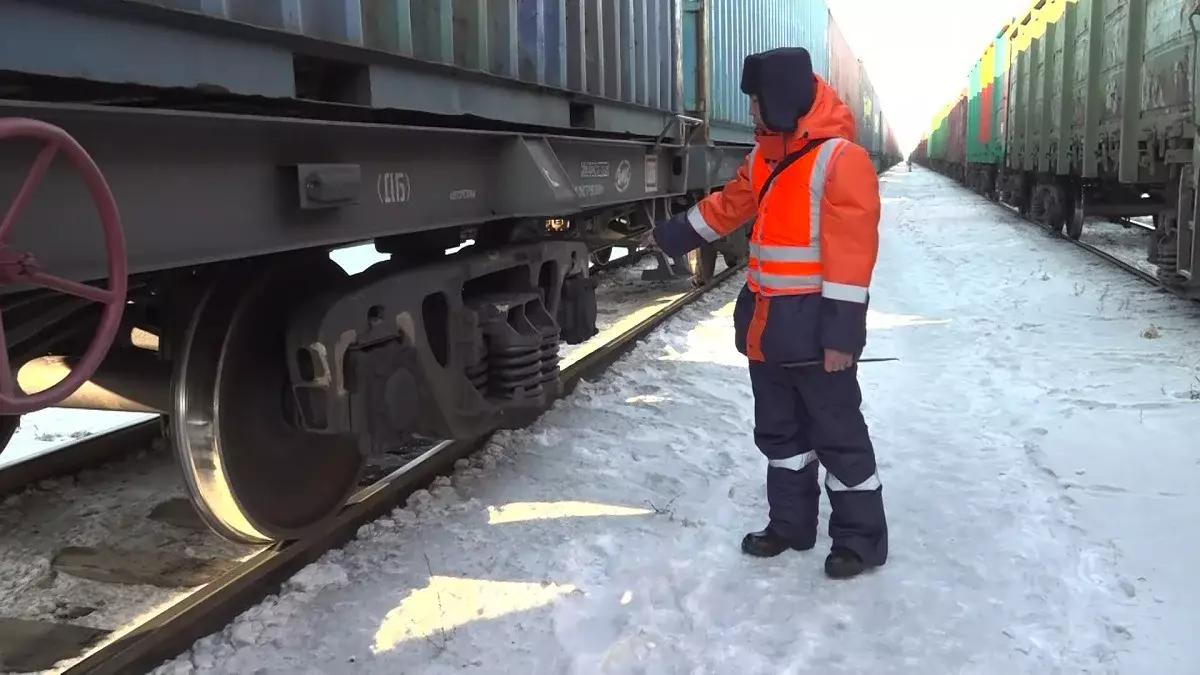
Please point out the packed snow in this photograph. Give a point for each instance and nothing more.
(1033, 442)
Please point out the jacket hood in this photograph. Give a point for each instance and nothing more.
(828, 117)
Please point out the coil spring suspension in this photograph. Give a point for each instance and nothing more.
(520, 347)
(477, 373)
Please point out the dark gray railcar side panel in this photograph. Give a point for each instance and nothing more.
(194, 188)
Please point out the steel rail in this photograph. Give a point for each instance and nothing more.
(211, 607)
(1119, 262)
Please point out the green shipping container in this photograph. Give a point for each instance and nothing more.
(985, 132)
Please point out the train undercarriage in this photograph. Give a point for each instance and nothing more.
(1163, 194)
(277, 373)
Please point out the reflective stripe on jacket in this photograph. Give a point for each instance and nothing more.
(785, 244)
(815, 239)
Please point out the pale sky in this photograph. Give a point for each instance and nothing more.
(919, 52)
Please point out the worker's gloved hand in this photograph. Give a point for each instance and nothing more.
(672, 236)
(648, 239)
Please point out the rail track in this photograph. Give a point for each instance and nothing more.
(1115, 260)
(151, 640)
(1119, 262)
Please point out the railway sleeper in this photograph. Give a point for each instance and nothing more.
(289, 374)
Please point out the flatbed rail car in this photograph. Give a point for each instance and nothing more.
(204, 157)
(1085, 108)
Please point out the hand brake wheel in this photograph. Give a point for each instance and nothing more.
(18, 267)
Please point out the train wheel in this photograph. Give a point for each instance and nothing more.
(1076, 218)
(253, 476)
(1054, 208)
(702, 263)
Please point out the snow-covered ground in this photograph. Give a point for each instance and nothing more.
(49, 429)
(1036, 445)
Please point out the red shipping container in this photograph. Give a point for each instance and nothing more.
(956, 132)
(844, 72)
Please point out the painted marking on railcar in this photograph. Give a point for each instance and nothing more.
(651, 173)
(393, 187)
(462, 195)
(590, 190)
(623, 176)
(593, 169)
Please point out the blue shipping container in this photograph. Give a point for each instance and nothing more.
(634, 61)
(621, 54)
(735, 30)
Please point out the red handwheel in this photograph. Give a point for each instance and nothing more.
(17, 267)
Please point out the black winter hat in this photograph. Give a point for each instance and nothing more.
(782, 79)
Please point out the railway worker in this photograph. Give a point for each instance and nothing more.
(814, 197)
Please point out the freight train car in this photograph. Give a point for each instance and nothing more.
(182, 169)
(946, 147)
(1095, 118)
(920, 154)
(986, 114)
(849, 78)
(892, 154)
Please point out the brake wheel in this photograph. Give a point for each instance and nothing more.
(20, 267)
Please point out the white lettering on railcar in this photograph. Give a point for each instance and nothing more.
(593, 169)
(461, 195)
(393, 187)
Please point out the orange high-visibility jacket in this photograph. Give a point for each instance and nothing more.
(814, 242)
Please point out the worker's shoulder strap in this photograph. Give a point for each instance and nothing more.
(788, 160)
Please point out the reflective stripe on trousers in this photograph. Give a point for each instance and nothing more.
(801, 461)
(834, 485)
(795, 463)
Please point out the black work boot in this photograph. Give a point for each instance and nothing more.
(767, 544)
(842, 563)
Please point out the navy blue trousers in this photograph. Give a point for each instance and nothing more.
(806, 416)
